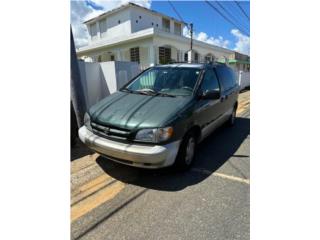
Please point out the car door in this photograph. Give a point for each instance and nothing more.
(208, 111)
(229, 90)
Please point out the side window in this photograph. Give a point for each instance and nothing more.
(210, 81)
(226, 76)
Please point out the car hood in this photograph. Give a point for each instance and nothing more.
(128, 110)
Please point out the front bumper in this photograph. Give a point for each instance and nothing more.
(139, 155)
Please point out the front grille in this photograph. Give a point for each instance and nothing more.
(110, 131)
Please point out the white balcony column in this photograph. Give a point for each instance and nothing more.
(181, 56)
(118, 52)
(152, 57)
(171, 26)
(190, 56)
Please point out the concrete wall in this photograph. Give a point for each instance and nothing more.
(116, 29)
(113, 26)
(145, 21)
(244, 79)
(102, 79)
(184, 46)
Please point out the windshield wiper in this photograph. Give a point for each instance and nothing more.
(165, 94)
(127, 90)
(147, 91)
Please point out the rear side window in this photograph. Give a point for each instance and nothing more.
(210, 81)
(226, 76)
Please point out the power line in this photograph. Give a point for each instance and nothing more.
(226, 18)
(179, 16)
(230, 15)
(181, 19)
(242, 10)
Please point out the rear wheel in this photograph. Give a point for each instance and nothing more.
(186, 152)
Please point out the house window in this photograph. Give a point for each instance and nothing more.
(186, 57)
(93, 29)
(177, 28)
(209, 58)
(196, 57)
(164, 55)
(136, 21)
(103, 25)
(166, 24)
(134, 55)
(112, 58)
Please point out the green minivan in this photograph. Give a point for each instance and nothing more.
(158, 118)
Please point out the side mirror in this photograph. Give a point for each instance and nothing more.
(212, 94)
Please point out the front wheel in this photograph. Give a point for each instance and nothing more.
(186, 152)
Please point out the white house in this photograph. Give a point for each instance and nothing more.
(134, 33)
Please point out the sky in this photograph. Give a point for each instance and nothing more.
(209, 25)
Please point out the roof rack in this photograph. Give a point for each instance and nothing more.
(199, 62)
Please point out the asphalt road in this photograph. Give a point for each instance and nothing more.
(211, 201)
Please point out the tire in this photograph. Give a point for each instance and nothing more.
(186, 153)
(232, 118)
(73, 128)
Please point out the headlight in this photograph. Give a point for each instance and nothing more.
(87, 121)
(154, 134)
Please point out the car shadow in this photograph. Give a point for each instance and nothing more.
(79, 150)
(212, 153)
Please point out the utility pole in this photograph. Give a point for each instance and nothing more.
(191, 35)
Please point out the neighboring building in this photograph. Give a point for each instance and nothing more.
(239, 62)
(138, 34)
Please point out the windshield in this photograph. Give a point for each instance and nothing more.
(174, 81)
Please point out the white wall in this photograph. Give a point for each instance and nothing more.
(146, 20)
(184, 45)
(114, 29)
(102, 79)
(244, 79)
(94, 85)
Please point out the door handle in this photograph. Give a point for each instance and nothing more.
(223, 98)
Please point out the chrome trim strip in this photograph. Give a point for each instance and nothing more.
(162, 155)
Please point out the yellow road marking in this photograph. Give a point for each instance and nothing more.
(230, 177)
(83, 162)
(90, 187)
(96, 200)
(233, 178)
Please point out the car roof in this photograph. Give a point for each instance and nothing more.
(189, 65)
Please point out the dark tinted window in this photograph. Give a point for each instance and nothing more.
(226, 77)
(210, 81)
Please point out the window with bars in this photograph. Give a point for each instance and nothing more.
(164, 55)
(196, 57)
(207, 58)
(134, 55)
